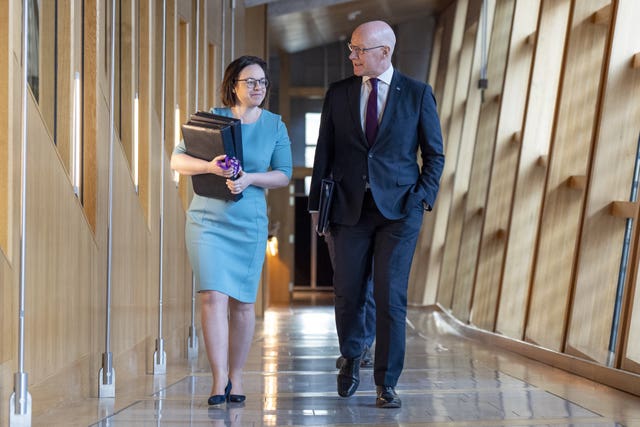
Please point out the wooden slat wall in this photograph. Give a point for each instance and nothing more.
(4, 134)
(59, 273)
(630, 354)
(66, 243)
(418, 290)
(547, 201)
(562, 213)
(466, 105)
(610, 179)
(418, 275)
(505, 162)
(8, 177)
(434, 66)
(441, 209)
(481, 162)
(534, 142)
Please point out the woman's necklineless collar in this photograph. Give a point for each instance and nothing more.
(248, 116)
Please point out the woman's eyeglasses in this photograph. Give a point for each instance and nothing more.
(252, 83)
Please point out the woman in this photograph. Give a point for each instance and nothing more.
(226, 241)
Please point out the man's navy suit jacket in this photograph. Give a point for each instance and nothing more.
(390, 166)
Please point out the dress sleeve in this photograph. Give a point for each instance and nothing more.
(180, 148)
(281, 159)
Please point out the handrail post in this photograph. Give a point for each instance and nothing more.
(20, 400)
(159, 356)
(107, 375)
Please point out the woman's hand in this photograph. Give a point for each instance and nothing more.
(238, 185)
(215, 167)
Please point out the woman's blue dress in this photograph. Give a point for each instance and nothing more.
(226, 241)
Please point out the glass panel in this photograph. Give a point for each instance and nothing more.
(54, 74)
(311, 128)
(33, 72)
(42, 57)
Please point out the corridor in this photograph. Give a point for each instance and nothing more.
(449, 380)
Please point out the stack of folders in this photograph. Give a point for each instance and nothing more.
(207, 136)
(324, 209)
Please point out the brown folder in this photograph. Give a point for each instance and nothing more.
(209, 135)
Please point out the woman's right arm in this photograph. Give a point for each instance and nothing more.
(187, 165)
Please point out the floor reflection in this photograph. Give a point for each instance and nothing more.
(448, 381)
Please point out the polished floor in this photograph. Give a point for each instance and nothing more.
(290, 380)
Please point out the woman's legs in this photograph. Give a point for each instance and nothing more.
(215, 329)
(242, 322)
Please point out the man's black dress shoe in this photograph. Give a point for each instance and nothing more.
(387, 397)
(349, 377)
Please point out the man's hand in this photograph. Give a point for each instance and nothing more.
(314, 221)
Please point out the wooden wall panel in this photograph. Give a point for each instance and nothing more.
(610, 180)
(132, 244)
(67, 244)
(417, 292)
(569, 161)
(505, 162)
(456, 200)
(4, 132)
(60, 248)
(446, 105)
(255, 41)
(9, 312)
(482, 157)
(535, 142)
(8, 176)
(90, 95)
(177, 279)
(436, 49)
(453, 21)
(9, 202)
(631, 346)
(463, 132)
(65, 71)
(446, 27)
(421, 285)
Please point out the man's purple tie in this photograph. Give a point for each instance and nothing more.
(371, 120)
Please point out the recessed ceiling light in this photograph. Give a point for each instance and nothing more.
(353, 15)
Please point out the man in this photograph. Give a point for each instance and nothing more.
(369, 146)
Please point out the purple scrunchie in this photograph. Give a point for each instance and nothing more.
(230, 162)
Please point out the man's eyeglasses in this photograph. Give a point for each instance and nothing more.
(252, 83)
(361, 50)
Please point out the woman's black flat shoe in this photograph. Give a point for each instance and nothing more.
(217, 399)
(237, 398)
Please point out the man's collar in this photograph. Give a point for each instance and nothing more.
(386, 76)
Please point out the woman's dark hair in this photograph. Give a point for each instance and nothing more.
(227, 91)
